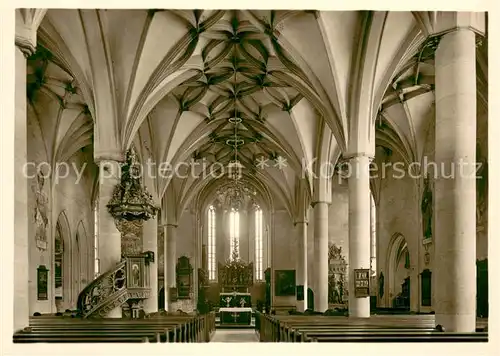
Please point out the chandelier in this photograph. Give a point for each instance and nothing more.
(130, 200)
(234, 194)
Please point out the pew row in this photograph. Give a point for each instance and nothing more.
(341, 329)
(155, 329)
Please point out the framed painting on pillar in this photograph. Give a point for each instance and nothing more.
(42, 278)
(285, 283)
(361, 283)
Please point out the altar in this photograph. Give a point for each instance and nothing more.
(235, 316)
(235, 308)
(235, 302)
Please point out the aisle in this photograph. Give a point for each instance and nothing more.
(235, 335)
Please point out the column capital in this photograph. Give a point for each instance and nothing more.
(349, 156)
(109, 156)
(25, 45)
(451, 21)
(301, 222)
(27, 22)
(169, 224)
(25, 38)
(320, 201)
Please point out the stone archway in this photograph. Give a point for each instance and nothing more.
(397, 290)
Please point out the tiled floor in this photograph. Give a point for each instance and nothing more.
(235, 335)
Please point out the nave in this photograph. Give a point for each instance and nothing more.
(297, 191)
(235, 335)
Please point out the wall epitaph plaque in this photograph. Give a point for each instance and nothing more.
(184, 272)
(361, 283)
(42, 277)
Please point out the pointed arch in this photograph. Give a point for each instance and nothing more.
(398, 249)
(64, 231)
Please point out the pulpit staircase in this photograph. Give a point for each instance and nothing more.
(127, 284)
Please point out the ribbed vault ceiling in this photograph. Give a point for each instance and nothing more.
(301, 85)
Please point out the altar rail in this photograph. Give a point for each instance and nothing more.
(300, 328)
(51, 329)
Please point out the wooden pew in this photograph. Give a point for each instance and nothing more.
(154, 329)
(191, 327)
(299, 328)
(413, 336)
(168, 330)
(84, 336)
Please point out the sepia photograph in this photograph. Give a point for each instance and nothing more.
(253, 176)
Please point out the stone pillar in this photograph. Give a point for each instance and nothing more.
(21, 246)
(359, 229)
(150, 243)
(320, 256)
(455, 192)
(301, 263)
(170, 261)
(109, 236)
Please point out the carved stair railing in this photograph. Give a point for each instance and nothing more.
(128, 282)
(104, 293)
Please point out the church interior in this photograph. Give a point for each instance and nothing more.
(203, 175)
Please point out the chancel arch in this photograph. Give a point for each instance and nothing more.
(227, 214)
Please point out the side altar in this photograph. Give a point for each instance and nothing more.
(235, 302)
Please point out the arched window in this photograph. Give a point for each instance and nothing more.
(259, 275)
(58, 257)
(211, 243)
(96, 239)
(234, 230)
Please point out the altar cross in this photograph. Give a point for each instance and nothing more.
(235, 316)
